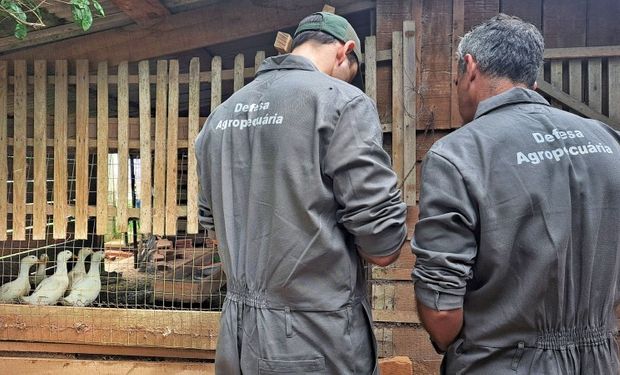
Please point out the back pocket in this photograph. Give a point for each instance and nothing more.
(300, 366)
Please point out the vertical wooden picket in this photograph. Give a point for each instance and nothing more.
(193, 126)
(4, 169)
(39, 214)
(238, 73)
(123, 145)
(20, 118)
(574, 79)
(370, 62)
(60, 149)
(171, 169)
(258, 59)
(146, 218)
(81, 148)
(397, 106)
(159, 190)
(102, 148)
(216, 82)
(409, 121)
(614, 88)
(595, 90)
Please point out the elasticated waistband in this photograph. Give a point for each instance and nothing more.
(577, 337)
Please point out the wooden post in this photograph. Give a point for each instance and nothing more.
(60, 149)
(4, 171)
(193, 126)
(39, 215)
(171, 170)
(159, 191)
(146, 219)
(398, 152)
(123, 145)
(574, 79)
(216, 82)
(238, 81)
(81, 149)
(409, 122)
(595, 77)
(556, 74)
(102, 148)
(370, 62)
(20, 109)
(258, 59)
(458, 28)
(614, 88)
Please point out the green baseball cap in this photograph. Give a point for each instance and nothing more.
(339, 28)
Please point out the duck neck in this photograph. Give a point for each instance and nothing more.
(24, 268)
(81, 263)
(61, 267)
(41, 269)
(94, 267)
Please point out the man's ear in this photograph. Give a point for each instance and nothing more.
(471, 67)
(344, 50)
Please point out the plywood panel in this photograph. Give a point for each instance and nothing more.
(81, 149)
(60, 149)
(4, 171)
(527, 10)
(171, 169)
(159, 189)
(102, 148)
(123, 145)
(39, 217)
(564, 23)
(477, 11)
(146, 218)
(603, 26)
(20, 118)
(193, 126)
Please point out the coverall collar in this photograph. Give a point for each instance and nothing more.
(512, 96)
(286, 61)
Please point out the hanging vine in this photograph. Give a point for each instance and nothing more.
(27, 14)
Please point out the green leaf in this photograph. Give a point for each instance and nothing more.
(20, 31)
(87, 19)
(98, 7)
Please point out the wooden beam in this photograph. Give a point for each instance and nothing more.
(183, 31)
(143, 12)
(576, 105)
(582, 52)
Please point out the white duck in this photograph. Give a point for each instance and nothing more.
(40, 274)
(11, 291)
(53, 288)
(79, 270)
(86, 290)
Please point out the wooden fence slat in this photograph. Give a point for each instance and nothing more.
(4, 171)
(370, 61)
(458, 29)
(574, 79)
(20, 109)
(614, 88)
(258, 59)
(398, 152)
(102, 148)
(146, 207)
(60, 149)
(238, 81)
(409, 122)
(556, 74)
(159, 191)
(123, 145)
(193, 126)
(39, 217)
(216, 82)
(171, 170)
(81, 149)
(595, 77)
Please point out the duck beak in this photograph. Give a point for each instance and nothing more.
(74, 257)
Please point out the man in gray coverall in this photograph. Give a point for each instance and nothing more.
(518, 243)
(297, 186)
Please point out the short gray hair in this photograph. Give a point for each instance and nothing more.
(504, 47)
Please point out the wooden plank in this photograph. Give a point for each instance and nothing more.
(171, 169)
(458, 29)
(159, 182)
(35, 366)
(189, 27)
(398, 152)
(564, 23)
(39, 217)
(20, 109)
(81, 149)
(146, 218)
(123, 145)
(527, 10)
(556, 74)
(603, 26)
(576, 105)
(258, 59)
(409, 121)
(192, 134)
(370, 62)
(238, 82)
(216, 82)
(4, 171)
(581, 52)
(614, 88)
(595, 82)
(574, 79)
(143, 12)
(60, 149)
(102, 148)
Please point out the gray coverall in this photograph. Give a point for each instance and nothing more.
(520, 226)
(293, 178)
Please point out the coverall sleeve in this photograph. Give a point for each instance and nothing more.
(364, 184)
(205, 216)
(444, 241)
